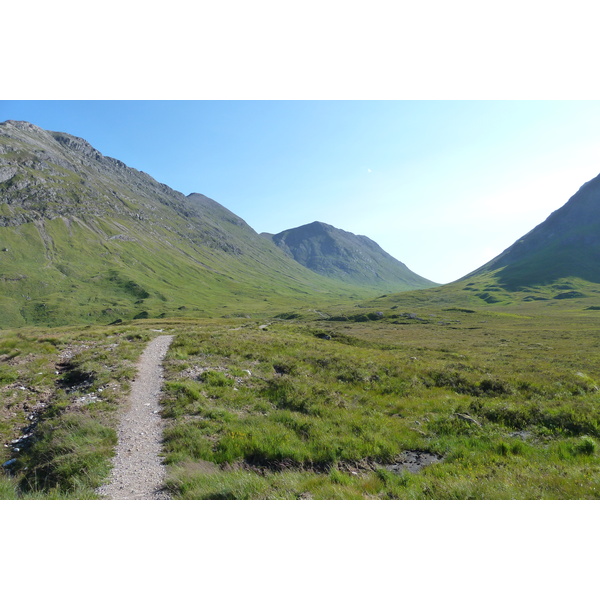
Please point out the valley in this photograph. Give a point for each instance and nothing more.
(308, 364)
(504, 400)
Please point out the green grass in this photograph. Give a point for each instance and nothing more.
(311, 407)
(280, 383)
(292, 414)
(73, 381)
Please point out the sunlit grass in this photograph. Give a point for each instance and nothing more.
(507, 401)
(320, 409)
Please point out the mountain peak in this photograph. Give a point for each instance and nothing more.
(347, 257)
(319, 225)
(84, 238)
(22, 125)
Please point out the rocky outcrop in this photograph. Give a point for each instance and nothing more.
(7, 172)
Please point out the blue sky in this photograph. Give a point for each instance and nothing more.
(443, 186)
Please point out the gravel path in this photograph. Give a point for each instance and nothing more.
(138, 472)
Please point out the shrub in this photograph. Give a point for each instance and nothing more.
(285, 367)
(494, 387)
(586, 446)
(452, 380)
(216, 378)
(187, 390)
(284, 395)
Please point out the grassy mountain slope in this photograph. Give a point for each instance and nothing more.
(556, 266)
(85, 238)
(566, 244)
(347, 257)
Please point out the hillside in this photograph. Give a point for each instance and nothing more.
(347, 257)
(486, 388)
(84, 238)
(554, 266)
(566, 244)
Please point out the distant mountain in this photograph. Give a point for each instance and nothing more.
(83, 237)
(347, 257)
(566, 244)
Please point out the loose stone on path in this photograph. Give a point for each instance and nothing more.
(138, 472)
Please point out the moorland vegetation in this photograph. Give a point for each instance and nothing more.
(339, 403)
(283, 382)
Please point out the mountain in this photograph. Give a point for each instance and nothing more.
(555, 265)
(84, 238)
(566, 244)
(347, 257)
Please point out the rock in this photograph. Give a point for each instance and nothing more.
(7, 173)
(522, 435)
(413, 461)
(467, 418)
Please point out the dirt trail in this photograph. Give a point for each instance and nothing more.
(138, 472)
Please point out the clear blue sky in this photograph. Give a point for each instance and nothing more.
(443, 186)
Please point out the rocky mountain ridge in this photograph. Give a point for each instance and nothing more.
(84, 237)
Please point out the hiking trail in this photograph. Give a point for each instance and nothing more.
(138, 472)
